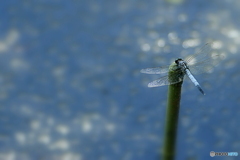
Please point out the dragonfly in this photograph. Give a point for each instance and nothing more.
(201, 62)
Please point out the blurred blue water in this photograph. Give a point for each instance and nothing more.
(71, 87)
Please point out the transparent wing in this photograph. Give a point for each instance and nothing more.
(201, 55)
(203, 61)
(166, 80)
(157, 70)
(205, 66)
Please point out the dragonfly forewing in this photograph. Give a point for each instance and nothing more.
(156, 70)
(203, 61)
(203, 54)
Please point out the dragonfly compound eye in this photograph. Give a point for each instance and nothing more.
(176, 61)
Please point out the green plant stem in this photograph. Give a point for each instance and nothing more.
(173, 106)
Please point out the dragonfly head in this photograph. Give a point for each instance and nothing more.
(178, 60)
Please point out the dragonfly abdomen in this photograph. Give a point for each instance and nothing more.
(194, 81)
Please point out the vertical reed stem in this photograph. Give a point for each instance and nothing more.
(173, 106)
